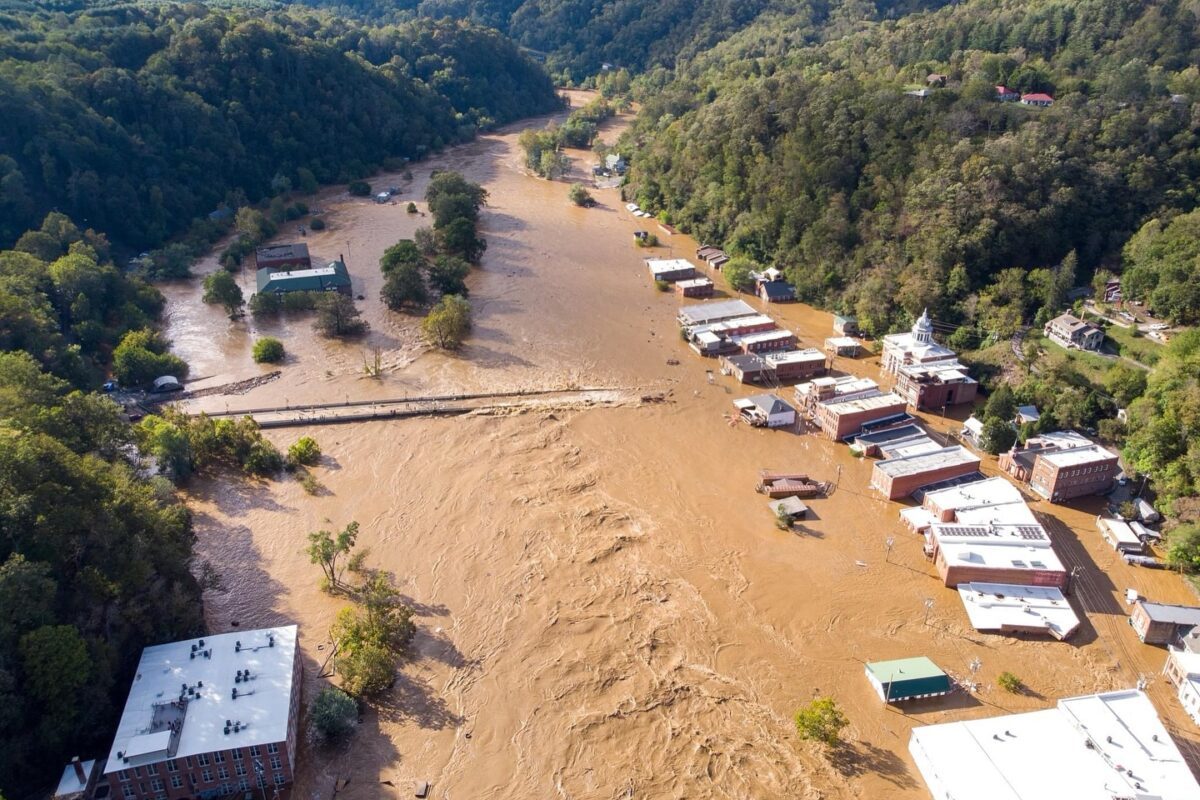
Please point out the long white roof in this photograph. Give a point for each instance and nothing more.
(1096, 747)
(210, 672)
(996, 606)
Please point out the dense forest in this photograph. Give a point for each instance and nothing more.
(880, 192)
(133, 120)
(578, 37)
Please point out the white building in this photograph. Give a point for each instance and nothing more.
(1109, 746)
(766, 410)
(1183, 670)
(1010, 608)
(915, 347)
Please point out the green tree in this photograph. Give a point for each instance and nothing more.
(404, 287)
(1183, 548)
(459, 238)
(580, 196)
(360, 189)
(998, 435)
(221, 288)
(1009, 682)
(332, 715)
(448, 275)
(337, 316)
(367, 668)
(1124, 383)
(304, 450)
(142, 356)
(1001, 404)
(268, 350)
(822, 721)
(403, 253)
(448, 322)
(551, 165)
(328, 548)
(57, 667)
(737, 273)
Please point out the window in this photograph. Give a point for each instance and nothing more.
(1018, 563)
(206, 776)
(279, 779)
(152, 769)
(136, 774)
(273, 748)
(239, 768)
(1038, 564)
(156, 785)
(172, 766)
(176, 782)
(123, 774)
(130, 791)
(219, 757)
(244, 786)
(275, 763)
(222, 772)
(254, 750)
(187, 761)
(226, 789)
(237, 753)
(202, 759)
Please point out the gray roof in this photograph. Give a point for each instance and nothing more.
(298, 250)
(770, 404)
(714, 312)
(1165, 612)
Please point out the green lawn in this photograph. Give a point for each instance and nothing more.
(1090, 365)
(1139, 348)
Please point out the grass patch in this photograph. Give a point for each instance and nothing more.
(1091, 365)
(1140, 348)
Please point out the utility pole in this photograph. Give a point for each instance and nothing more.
(928, 608)
(889, 542)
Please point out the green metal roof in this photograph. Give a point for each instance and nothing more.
(319, 279)
(909, 677)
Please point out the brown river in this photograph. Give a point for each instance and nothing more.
(606, 609)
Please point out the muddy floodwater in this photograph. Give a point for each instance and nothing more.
(606, 608)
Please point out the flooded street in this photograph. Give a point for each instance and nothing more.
(606, 608)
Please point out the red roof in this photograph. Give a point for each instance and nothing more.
(1002, 89)
(1038, 97)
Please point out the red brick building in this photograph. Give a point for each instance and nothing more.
(935, 385)
(900, 477)
(1003, 553)
(1065, 474)
(209, 717)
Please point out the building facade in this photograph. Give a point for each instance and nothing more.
(210, 717)
(932, 386)
(1061, 475)
(915, 347)
(1163, 623)
(900, 477)
(282, 257)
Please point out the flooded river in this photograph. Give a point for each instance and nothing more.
(606, 608)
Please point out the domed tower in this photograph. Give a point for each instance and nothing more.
(922, 329)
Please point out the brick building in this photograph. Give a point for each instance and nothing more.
(900, 477)
(1065, 474)
(209, 717)
(935, 385)
(282, 257)
(1005, 553)
(1163, 623)
(1019, 461)
(840, 407)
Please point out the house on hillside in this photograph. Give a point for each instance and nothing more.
(936, 80)
(776, 291)
(1039, 99)
(1070, 332)
(1007, 95)
(845, 325)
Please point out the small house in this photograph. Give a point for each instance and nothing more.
(747, 368)
(1070, 332)
(330, 278)
(845, 325)
(1112, 290)
(776, 291)
(972, 430)
(1162, 623)
(843, 346)
(1039, 99)
(908, 679)
(790, 508)
(278, 257)
(766, 411)
(615, 163)
(920, 93)
(1026, 414)
(1120, 536)
(1007, 95)
(670, 269)
(695, 287)
(936, 79)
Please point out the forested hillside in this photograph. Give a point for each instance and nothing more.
(577, 37)
(880, 194)
(132, 120)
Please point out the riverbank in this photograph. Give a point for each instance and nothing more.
(606, 608)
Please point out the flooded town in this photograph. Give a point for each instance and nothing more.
(605, 604)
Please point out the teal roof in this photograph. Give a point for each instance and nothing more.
(319, 279)
(909, 677)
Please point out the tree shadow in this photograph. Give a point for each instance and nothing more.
(855, 759)
(420, 609)
(412, 700)
(435, 645)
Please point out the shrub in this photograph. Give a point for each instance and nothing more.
(333, 714)
(337, 316)
(1009, 682)
(822, 721)
(662, 286)
(305, 451)
(412, 208)
(262, 459)
(737, 273)
(261, 304)
(448, 323)
(268, 350)
(580, 196)
(221, 288)
(310, 483)
(649, 240)
(360, 188)
(317, 224)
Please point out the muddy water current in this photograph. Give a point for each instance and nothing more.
(606, 608)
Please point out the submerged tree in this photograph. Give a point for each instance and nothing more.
(328, 549)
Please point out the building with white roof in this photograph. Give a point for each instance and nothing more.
(915, 347)
(670, 269)
(902, 474)
(1006, 553)
(1012, 608)
(701, 313)
(934, 385)
(207, 717)
(1183, 670)
(1060, 475)
(1109, 746)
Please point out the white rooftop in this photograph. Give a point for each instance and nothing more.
(733, 324)
(1109, 746)
(864, 401)
(322, 272)
(928, 460)
(1077, 456)
(761, 336)
(907, 343)
(661, 265)
(1000, 554)
(712, 312)
(70, 784)
(167, 672)
(694, 282)
(1003, 607)
(842, 341)
(987, 492)
(794, 357)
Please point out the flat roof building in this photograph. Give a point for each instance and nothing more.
(1013, 608)
(842, 407)
(1006, 553)
(1109, 746)
(1162, 623)
(330, 278)
(792, 365)
(670, 269)
(901, 476)
(1060, 475)
(843, 346)
(935, 385)
(694, 287)
(1018, 462)
(764, 341)
(908, 679)
(224, 699)
(703, 313)
(1183, 671)
(282, 257)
